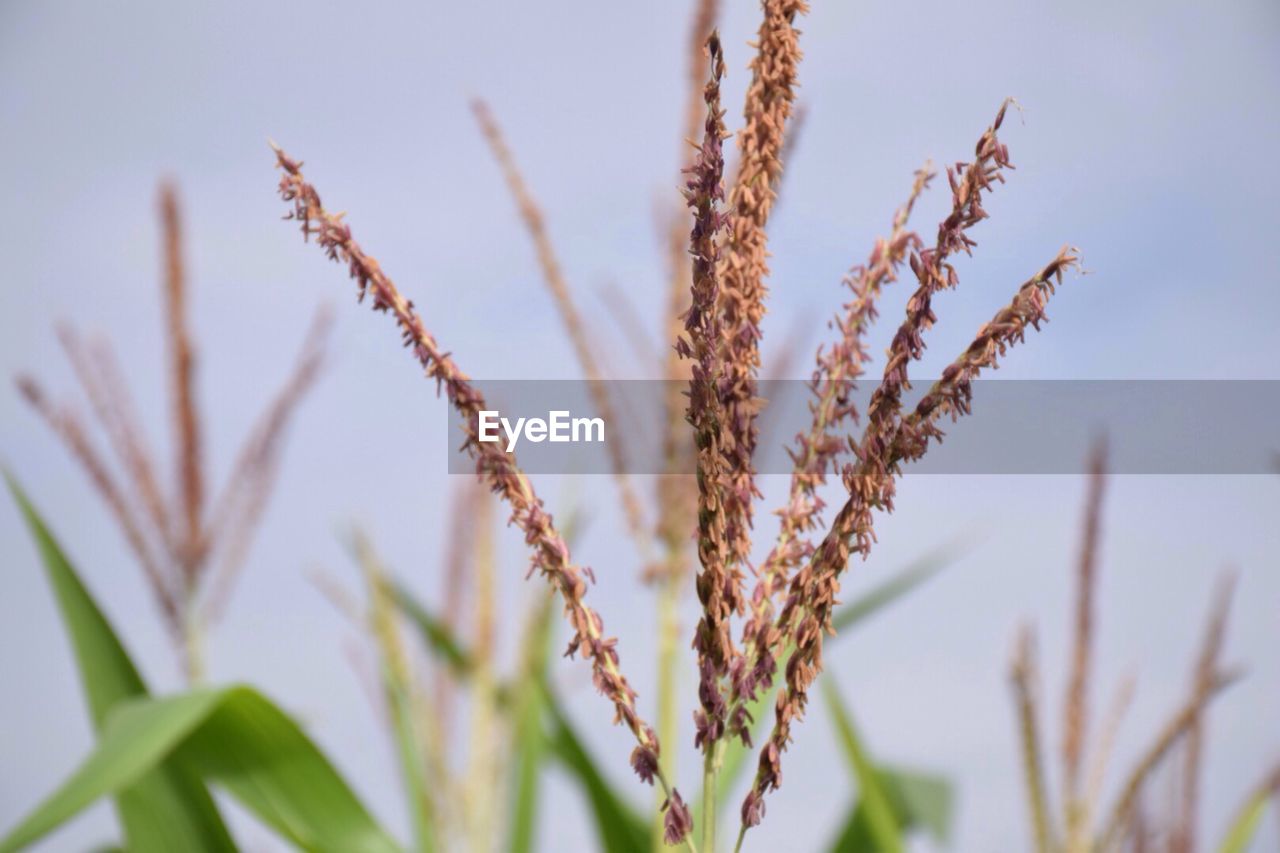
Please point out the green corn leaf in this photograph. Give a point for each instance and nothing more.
(529, 727)
(876, 825)
(232, 737)
(1240, 835)
(167, 808)
(435, 634)
(437, 637)
(619, 828)
(891, 802)
(920, 801)
(899, 584)
(398, 693)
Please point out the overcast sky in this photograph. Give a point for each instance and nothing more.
(1148, 139)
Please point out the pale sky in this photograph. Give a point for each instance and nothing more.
(1148, 140)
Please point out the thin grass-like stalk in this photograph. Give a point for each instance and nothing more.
(482, 763)
(459, 558)
(239, 507)
(625, 315)
(69, 427)
(553, 275)
(98, 372)
(398, 693)
(1100, 756)
(1207, 664)
(1075, 716)
(1168, 736)
(188, 552)
(551, 556)
(189, 446)
(1023, 677)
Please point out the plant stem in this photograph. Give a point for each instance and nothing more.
(482, 775)
(667, 687)
(710, 772)
(193, 643)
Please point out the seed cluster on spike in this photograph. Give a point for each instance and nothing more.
(704, 190)
(499, 470)
(677, 823)
(744, 266)
(815, 451)
(891, 439)
(797, 585)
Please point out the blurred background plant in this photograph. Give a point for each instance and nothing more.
(1141, 818)
(189, 548)
(156, 756)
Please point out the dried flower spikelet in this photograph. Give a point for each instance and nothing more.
(239, 507)
(99, 375)
(806, 615)
(677, 493)
(182, 380)
(677, 822)
(752, 809)
(952, 393)
(934, 272)
(704, 190)
(69, 428)
(1168, 736)
(1076, 705)
(1208, 664)
(744, 264)
(551, 556)
(1024, 680)
(553, 275)
(838, 367)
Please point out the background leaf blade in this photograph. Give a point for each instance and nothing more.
(168, 807)
(236, 738)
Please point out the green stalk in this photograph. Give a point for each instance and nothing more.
(667, 689)
(411, 764)
(482, 807)
(709, 801)
(710, 775)
(398, 692)
(193, 644)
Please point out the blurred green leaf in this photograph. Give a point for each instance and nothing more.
(899, 584)
(397, 692)
(736, 756)
(233, 737)
(529, 710)
(1240, 834)
(920, 802)
(528, 706)
(891, 802)
(167, 808)
(434, 632)
(620, 829)
(875, 827)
